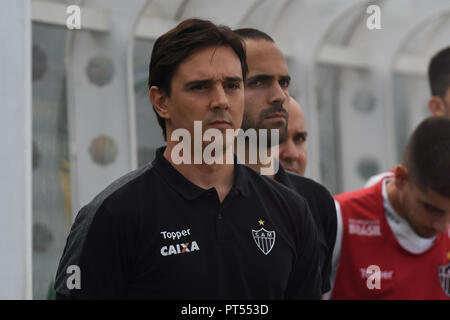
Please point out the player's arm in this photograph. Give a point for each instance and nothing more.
(337, 249)
(93, 265)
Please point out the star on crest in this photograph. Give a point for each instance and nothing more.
(261, 222)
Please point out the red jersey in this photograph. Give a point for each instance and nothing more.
(368, 240)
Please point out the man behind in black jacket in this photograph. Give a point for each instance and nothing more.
(266, 107)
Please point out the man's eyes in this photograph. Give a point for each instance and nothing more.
(432, 209)
(255, 83)
(284, 83)
(233, 85)
(229, 85)
(300, 138)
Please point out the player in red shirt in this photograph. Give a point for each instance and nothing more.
(439, 78)
(393, 238)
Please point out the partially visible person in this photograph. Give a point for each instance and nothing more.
(293, 152)
(439, 102)
(267, 107)
(439, 79)
(393, 238)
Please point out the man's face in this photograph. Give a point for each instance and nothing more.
(427, 212)
(266, 90)
(207, 87)
(293, 153)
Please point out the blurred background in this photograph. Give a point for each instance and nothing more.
(75, 113)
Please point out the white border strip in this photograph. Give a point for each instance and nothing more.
(28, 156)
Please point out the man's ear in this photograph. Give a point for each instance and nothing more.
(159, 101)
(401, 176)
(436, 106)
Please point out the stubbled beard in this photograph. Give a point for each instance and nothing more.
(248, 123)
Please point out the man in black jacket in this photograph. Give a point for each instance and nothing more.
(266, 107)
(183, 228)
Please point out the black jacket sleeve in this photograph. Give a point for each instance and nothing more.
(305, 280)
(93, 265)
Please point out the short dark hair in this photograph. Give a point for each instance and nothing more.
(254, 34)
(176, 45)
(427, 155)
(439, 73)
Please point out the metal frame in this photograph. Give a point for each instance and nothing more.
(88, 104)
(150, 28)
(304, 58)
(385, 65)
(408, 64)
(202, 9)
(416, 96)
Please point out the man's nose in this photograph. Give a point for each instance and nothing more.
(278, 94)
(219, 98)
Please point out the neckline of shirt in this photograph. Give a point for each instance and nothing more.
(186, 188)
(401, 229)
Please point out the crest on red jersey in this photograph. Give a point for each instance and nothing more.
(444, 278)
